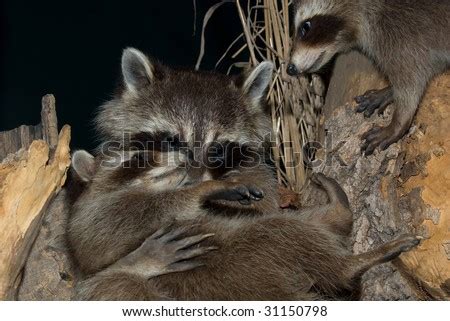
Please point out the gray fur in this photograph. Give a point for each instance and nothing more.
(186, 102)
(257, 252)
(83, 164)
(136, 69)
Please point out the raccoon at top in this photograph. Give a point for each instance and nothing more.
(186, 106)
(407, 40)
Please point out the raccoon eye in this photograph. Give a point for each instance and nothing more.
(138, 160)
(171, 143)
(305, 28)
(138, 157)
(217, 150)
(174, 143)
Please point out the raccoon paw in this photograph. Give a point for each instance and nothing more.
(248, 194)
(401, 245)
(373, 100)
(237, 192)
(168, 251)
(382, 137)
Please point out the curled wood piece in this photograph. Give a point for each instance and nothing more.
(30, 177)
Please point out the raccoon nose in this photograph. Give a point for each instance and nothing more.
(292, 70)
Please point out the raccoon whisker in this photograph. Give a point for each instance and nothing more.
(181, 182)
(232, 173)
(316, 65)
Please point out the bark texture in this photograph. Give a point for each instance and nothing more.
(405, 189)
(49, 273)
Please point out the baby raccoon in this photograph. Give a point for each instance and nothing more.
(203, 125)
(406, 39)
(123, 203)
(165, 132)
(187, 149)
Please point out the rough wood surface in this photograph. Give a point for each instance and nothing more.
(13, 140)
(31, 173)
(49, 121)
(427, 172)
(49, 273)
(404, 189)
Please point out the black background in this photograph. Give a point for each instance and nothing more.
(72, 49)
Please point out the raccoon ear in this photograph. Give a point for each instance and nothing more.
(83, 164)
(258, 81)
(137, 69)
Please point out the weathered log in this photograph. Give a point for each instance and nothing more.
(32, 172)
(404, 189)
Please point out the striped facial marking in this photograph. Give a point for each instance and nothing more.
(319, 30)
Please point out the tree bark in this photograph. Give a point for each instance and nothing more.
(404, 189)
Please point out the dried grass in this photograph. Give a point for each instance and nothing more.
(295, 103)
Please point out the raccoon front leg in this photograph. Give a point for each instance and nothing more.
(164, 252)
(407, 97)
(117, 287)
(335, 215)
(373, 100)
(131, 216)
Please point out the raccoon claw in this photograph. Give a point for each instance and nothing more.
(240, 193)
(169, 243)
(410, 242)
(373, 100)
(246, 194)
(381, 137)
(256, 194)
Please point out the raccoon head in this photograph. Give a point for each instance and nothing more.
(323, 28)
(174, 127)
(156, 99)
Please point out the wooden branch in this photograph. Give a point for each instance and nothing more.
(29, 179)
